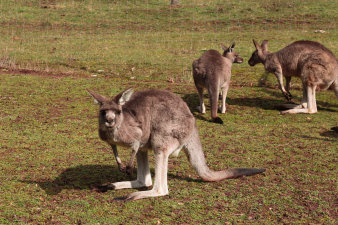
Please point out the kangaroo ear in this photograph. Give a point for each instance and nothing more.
(258, 47)
(99, 99)
(123, 97)
(223, 47)
(265, 45)
(231, 47)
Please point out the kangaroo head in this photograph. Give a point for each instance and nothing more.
(231, 54)
(110, 113)
(259, 55)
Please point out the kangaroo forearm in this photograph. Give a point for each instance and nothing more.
(118, 160)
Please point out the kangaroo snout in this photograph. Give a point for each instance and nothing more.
(110, 116)
(251, 62)
(109, 124)
(109, 119)
(238, 60)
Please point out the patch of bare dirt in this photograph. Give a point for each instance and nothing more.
(38, 73)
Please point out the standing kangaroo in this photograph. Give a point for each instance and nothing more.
(157, 120)
(213, 72)
(311, 61)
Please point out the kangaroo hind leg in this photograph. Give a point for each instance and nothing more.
(160, 187)
(143, 175)
(201, 107)
(224, 89)
(303, 105)
(213, 92)
(311, 102)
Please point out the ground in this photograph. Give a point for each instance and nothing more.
(52, 158)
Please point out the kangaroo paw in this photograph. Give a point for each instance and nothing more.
(105, 187)
(129, 170)
(221, 109)
(201, 109)
(288, 96)
(297, 110)
(143, 194)
(122, 167)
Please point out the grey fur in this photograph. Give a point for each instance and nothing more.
(161, 121)
(316, 66)
(212, 71)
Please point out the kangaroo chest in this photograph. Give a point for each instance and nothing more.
(121, 137)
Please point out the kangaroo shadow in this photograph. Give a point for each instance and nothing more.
(276, 93)
(267, 104)
(257, 102)
(333, 133)
(193, 101)
(90, 177)
(81, 177)
(327, 136)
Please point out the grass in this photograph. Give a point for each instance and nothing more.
(158, 41)
(52, 159)
(51, 156)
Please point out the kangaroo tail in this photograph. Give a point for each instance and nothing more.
(193, 150)
(213, 95)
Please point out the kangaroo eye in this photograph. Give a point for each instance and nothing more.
(103, 113)
(118, 112)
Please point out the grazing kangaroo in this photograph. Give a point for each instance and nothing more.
(157, 120)
(213, 72)
(311, 61)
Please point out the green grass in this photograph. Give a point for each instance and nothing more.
(52, 159)
(157, 40)
(50, 153)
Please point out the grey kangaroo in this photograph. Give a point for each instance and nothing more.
(157, 120)
(212, 71)
(316, 66)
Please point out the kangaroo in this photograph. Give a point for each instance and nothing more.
(213, 71)
(311, 61)
(158, 120)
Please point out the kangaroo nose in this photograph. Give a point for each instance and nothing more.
(110, 116)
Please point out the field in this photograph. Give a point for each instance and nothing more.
(52, 158)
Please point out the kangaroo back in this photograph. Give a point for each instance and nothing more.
(294, 57)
